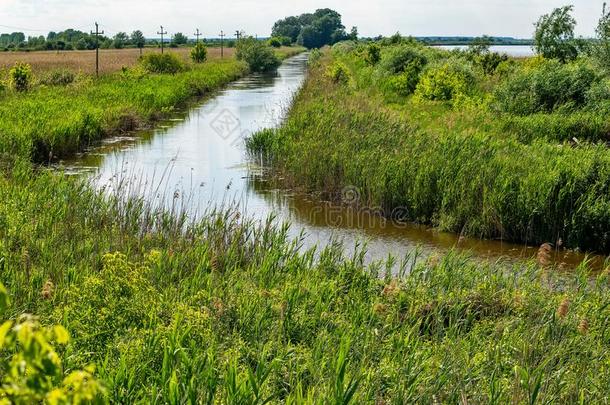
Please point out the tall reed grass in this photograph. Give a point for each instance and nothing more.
(225, 310)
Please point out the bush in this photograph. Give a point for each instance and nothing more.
(275, 42)
(338, 73)
(162, 63)
(490, 61)
(61, 77)
(373, 55)
(314, 57)
(446, 82)
(545, 87)
(400, 59)
(199, 53)
(31, 369)
(20, 76)
(257, 54)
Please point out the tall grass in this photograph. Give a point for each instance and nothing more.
(447, 166)
(225, 310)
(58, 121)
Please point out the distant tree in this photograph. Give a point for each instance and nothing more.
(81, 44)
(288, 27)
(138, 40)
(315, 30)
(120, 40)
(554, 36)
(353, 34)
(180, 39)
(480, 45)
(602, 49)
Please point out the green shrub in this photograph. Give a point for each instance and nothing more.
(257, 54)
(546, 87)
(490, 61)
(31, 368)
(339, 73)
(62, 77)
(445, 82)
(162, 63)
(274, 42)
(20, 76)
(199, 53)
(402, 58)
(314, 57)
(373, 54)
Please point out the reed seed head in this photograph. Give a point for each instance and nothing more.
(563, 308)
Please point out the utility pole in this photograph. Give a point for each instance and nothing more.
(198, 34)
(222, 44)
(162, 33)
(97, 33)
(238, 34)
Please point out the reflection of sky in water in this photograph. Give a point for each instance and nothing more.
(199, 157)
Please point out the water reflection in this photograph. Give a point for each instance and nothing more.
(199, 153)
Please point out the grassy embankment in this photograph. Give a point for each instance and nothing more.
(227, 311)
(62, 119)
(515, 153)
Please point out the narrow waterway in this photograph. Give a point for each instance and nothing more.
(198, 158)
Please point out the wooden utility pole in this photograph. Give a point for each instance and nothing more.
(162, 42)
(97, 33)
(222, 44)
(238, 34)
(198, 34)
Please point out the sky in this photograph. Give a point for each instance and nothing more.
(410, 17)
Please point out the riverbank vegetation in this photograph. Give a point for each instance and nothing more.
(63, 112)
(467, 141)
(229, 311)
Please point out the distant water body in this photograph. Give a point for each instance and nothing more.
(517, 51)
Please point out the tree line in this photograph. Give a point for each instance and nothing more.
(72, 39)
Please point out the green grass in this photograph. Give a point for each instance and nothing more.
(62, 120)
(59, 121)
(229, 311)
(456, 167)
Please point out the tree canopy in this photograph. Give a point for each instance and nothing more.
(324, 27)
(554, 37)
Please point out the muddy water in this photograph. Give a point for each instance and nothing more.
(198, 158)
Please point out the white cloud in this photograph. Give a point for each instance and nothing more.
(411, 17)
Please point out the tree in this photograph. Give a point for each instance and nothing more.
(602, 49)
(315, 30)
(257, 54)
(180, 38)
(480, 45)
(120, 40)
(353, 34)
(288, 27)
(138, 40)
(81, 44)
(554, 36)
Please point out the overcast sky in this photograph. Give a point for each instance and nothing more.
(410, 17)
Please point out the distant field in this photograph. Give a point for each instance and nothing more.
(111, 60)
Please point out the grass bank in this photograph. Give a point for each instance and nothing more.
(60, 120)
(452, 163)
(228, 311)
